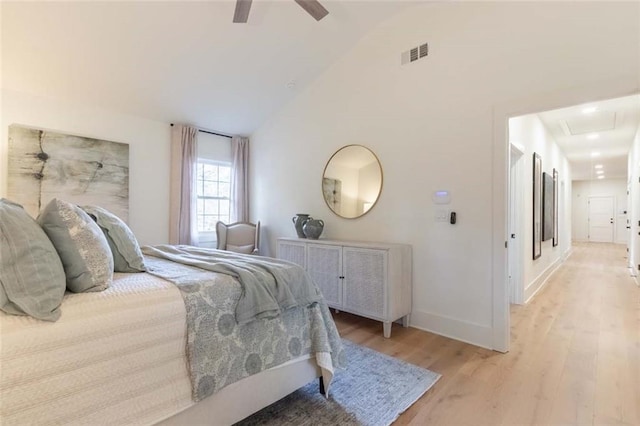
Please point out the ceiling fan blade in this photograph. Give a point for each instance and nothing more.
(313, 8)
(241, 14)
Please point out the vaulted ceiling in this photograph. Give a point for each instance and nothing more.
(179, 61)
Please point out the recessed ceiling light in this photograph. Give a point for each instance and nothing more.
(595, 154)
(593, 136)
(599, 172)
(598, 166)
(601, 177)
(589, 110)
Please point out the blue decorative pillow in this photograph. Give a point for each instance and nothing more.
(127, 256)
(32, 279)
(81, 245)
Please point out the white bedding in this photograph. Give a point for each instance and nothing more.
(121, 359)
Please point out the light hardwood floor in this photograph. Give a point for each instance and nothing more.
(574, 358)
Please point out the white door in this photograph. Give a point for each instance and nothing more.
(601, 227)
(516, 204)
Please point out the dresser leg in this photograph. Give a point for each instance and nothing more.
(405, 321)
(386, 328)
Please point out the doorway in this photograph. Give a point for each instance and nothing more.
(601, 224)
(502, 113)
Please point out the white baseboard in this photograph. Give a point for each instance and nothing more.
(468, 332)
(538, 284)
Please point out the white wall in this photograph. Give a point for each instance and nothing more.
(582, 190)
(148, 152)
(529, 133)
(431, 125)
(634, 206)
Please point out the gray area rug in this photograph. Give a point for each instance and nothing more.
(373, 391)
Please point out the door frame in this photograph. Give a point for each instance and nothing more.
(635, 215)
(502, 112)
(515, 247)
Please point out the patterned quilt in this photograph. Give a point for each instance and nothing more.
(220, 351)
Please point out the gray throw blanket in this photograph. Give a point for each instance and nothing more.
(269, 286)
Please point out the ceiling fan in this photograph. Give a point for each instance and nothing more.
(312, 7)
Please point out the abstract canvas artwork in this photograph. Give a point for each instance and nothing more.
(547, 206)
(332, 192)
(44, 165)
(537, 208)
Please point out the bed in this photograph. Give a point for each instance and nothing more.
(126, 355)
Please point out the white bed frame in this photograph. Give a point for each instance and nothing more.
(247, 396)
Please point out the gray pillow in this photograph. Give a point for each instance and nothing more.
(127, 256)
(32, 280)
(81, 245)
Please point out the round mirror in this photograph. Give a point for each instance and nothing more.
(352, 181)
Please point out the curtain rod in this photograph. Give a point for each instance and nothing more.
(211, 133)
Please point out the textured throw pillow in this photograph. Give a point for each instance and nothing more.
(32, 280)
(81, 245)
(127, 256)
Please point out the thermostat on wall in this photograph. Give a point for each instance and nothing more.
(441, 197)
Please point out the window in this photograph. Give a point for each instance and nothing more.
(213, 181)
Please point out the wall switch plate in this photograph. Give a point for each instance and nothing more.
(442, 215)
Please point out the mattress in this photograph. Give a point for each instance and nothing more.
(114, 357)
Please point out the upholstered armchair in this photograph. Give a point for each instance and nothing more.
(239, 237)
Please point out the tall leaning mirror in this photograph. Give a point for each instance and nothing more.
(352, 181)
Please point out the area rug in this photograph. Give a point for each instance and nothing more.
(373, 391)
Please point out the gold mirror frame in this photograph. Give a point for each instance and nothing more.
(332, 186)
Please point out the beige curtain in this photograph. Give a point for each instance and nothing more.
(240, 179)
(184, 158)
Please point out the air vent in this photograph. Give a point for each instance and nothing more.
(414, 54)
(424, 50)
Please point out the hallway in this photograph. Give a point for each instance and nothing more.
(574, 359)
